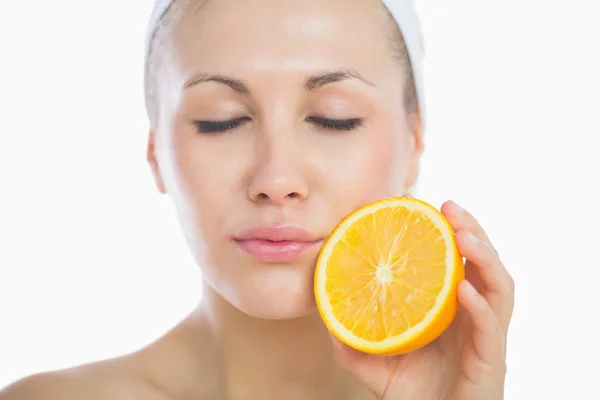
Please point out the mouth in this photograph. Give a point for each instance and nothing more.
(277, 244)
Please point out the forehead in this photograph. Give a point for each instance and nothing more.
(241, 36)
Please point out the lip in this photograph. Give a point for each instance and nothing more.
(277, 243)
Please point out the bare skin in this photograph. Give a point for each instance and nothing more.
(191, 363)
(257, 334)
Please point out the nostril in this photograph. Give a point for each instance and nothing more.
(262, 197)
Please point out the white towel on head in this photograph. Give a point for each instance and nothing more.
(405, 14)
(403, 11)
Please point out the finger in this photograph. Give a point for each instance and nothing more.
(489, 339)
(375, 372)
(460, 219)
(499, 285)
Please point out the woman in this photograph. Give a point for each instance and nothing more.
(276, 118)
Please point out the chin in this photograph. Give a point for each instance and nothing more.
(286, 312)
(275, 292)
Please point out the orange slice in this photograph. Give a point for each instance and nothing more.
(386, 278)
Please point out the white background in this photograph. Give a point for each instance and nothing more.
(92, 263)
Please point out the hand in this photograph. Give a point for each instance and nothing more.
(468, 361)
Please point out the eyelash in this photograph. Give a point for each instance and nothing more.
(218, 126)
(207, 127)
(336, 124)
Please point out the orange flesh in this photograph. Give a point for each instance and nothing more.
(384, 275)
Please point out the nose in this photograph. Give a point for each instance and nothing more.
(279, 176)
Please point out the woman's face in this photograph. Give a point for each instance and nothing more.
(278, 118)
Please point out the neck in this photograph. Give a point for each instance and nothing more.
(274, 358)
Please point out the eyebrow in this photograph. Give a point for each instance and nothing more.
(238, 85)
(316, 82)
(311, 84)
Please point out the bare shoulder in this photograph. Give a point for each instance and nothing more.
(112, 379)
(53, 385)
(177, 365)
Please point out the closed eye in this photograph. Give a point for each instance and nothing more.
(336, 124)
(207, 127)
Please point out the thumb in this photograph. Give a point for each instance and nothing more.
(375, 372)
(345, 355)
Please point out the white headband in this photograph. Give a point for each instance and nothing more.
(403, 11)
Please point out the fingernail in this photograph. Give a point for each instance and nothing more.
(470, 290)
(458, 208)
(472, 238)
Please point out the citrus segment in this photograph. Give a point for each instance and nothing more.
(385, 280)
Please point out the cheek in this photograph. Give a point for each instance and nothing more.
(389, 164)
(203, 186)
(367, 169)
